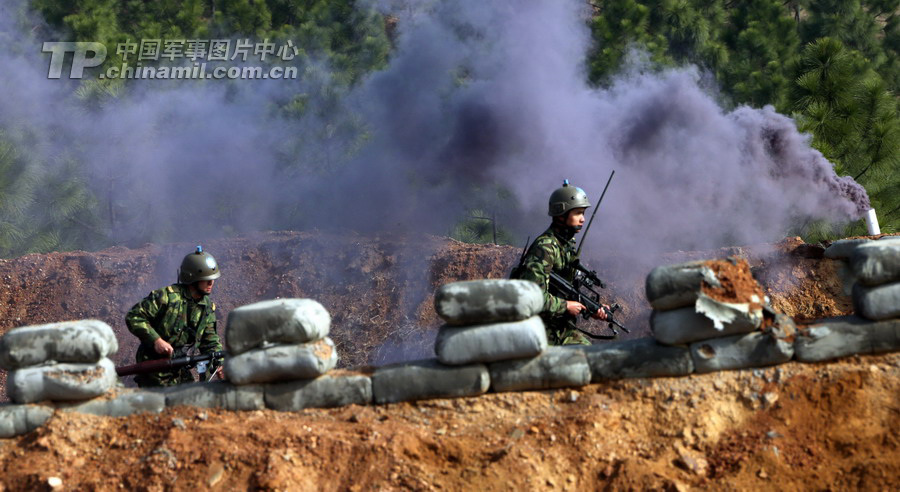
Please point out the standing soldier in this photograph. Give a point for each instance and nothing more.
(173, 320)
(554, 251)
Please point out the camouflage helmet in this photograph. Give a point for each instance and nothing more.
(197, 266)
(566, 198)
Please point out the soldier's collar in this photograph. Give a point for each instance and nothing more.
(564, 233)
(186, 293)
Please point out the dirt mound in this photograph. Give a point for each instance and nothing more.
(794, 427)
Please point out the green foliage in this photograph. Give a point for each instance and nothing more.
(853, 120)
(762, 41)
(40, 208)
(480, 227)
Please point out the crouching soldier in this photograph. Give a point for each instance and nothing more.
(554, 251)
(176, 320)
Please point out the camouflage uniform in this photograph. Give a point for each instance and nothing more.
(553, 251)
(171, 313)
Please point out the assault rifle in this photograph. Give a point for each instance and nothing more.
(581, 290)
(206, 365)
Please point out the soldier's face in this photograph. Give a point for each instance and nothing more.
(575, 219)
(205, 286)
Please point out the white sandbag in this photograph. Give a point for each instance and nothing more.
(16, 420)
(122, 404)
(460, 345)
(84, 341)
(879, 302)
(276, 321)
(686, 325)
(323, 392)
(558, 367)
(218, 394)
(675, 286)
(639, 358)
(842, 249)
(846, 335)
(61, 382)
(488, 301)
(877, 262)
(420, 380)
(282, 363)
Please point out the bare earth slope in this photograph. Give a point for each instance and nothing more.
(793, 427)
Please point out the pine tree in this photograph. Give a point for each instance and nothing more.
(762, 41)
(853, 119)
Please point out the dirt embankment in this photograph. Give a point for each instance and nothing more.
(795, 426)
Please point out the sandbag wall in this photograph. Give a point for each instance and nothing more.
(708, 316)
(279, 357)
(717, 311)
(493, 339)
(66, 363)
(874, 281)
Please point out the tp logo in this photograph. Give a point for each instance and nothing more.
(80, 61)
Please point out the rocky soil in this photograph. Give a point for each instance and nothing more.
(821, 426)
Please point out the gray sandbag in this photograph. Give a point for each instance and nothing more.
(423, 379)
(459, 345)
(675, 286)
(879, 302)
(61, 382)
(282, 363)
(16, 420)
(122, 404)
(842, 249)
(639, 358)
(276, 321)
(84, 341)
(877, 262)
(218, 394)
(755, 349)
(686, 325)
(558, 367)
(488, 301)
(327, 391)
(846, 335)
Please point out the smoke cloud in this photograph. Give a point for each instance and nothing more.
(477, 97)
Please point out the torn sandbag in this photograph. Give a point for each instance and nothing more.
(685, 325)
(675, 286)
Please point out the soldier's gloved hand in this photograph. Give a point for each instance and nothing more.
(162, 347)
(601, 313)
(574, 307)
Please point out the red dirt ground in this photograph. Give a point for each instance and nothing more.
(820, 426)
